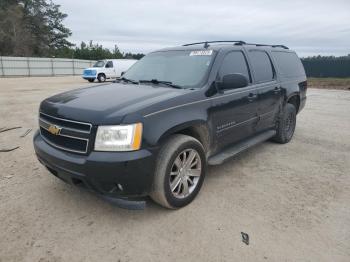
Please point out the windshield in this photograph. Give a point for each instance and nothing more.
(182, 68)
(99, 64)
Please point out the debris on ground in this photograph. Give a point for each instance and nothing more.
(245, 238)
(26, 132)
(9, 149)
(8, 129)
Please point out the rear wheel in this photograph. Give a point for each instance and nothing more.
(101, 78)
(286, 125)
(180, 171)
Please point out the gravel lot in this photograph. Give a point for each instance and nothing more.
(293, 200)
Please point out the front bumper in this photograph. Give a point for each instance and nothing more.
(127, 175)
(87, 77)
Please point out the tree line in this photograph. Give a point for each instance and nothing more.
(35, 28)
(93, 51)
(327, 66)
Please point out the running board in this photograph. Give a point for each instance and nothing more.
(228, 153)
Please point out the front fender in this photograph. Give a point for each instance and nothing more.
(160, 125)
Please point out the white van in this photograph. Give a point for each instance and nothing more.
(105, 69)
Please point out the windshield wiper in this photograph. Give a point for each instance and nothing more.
(128, 80)
(157, 82)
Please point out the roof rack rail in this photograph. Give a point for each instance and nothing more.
(206, 43)
(282, 46)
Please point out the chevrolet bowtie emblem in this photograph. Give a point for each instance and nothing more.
(55, 130)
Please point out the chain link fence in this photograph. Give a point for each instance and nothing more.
(34, 66)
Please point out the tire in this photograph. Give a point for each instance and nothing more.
(286, 125)
(101, 78)
(168, 172)
(91, 80)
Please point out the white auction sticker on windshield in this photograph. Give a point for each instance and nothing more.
(201, 52)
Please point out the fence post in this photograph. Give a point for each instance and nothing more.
(73, 67)
(2, 66)
(52, 71)
(28, 66)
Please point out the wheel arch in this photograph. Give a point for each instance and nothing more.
(294, 99)
(197, 128)
(101, 73)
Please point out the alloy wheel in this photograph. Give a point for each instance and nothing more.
(185, 173)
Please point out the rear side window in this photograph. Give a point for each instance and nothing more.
(289, 64)
(234, 62)
(262, 66)
(109, 64)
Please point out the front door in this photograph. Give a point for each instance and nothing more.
(234, 111)
(110, 73)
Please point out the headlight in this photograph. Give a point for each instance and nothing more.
(118, 138)
(93, 72)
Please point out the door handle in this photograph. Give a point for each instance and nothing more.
(252, 97)
(277, 90)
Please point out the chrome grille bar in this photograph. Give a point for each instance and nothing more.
(73, 136)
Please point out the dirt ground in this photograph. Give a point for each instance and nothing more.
(329, 83)
(293, 200)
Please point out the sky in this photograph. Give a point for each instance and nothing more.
(309, 27)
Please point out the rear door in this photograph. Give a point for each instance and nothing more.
(268, 88)
(234, 111)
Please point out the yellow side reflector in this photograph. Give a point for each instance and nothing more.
(137, 137)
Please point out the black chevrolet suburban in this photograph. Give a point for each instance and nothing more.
(154, 131)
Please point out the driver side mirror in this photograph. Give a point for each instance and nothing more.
(233, 81)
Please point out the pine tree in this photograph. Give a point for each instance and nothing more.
(32, 28)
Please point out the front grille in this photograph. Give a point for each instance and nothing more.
(89, 72)
(70, 135)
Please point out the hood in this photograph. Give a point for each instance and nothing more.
(106, 104)
(93, 68)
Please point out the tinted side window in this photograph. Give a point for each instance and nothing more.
(262, 66)
(233, 63)
(289, 64)
(109, 64)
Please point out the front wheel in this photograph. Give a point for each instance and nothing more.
(180, 171)
(286, 124)
(91, 80)
(101, 78)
